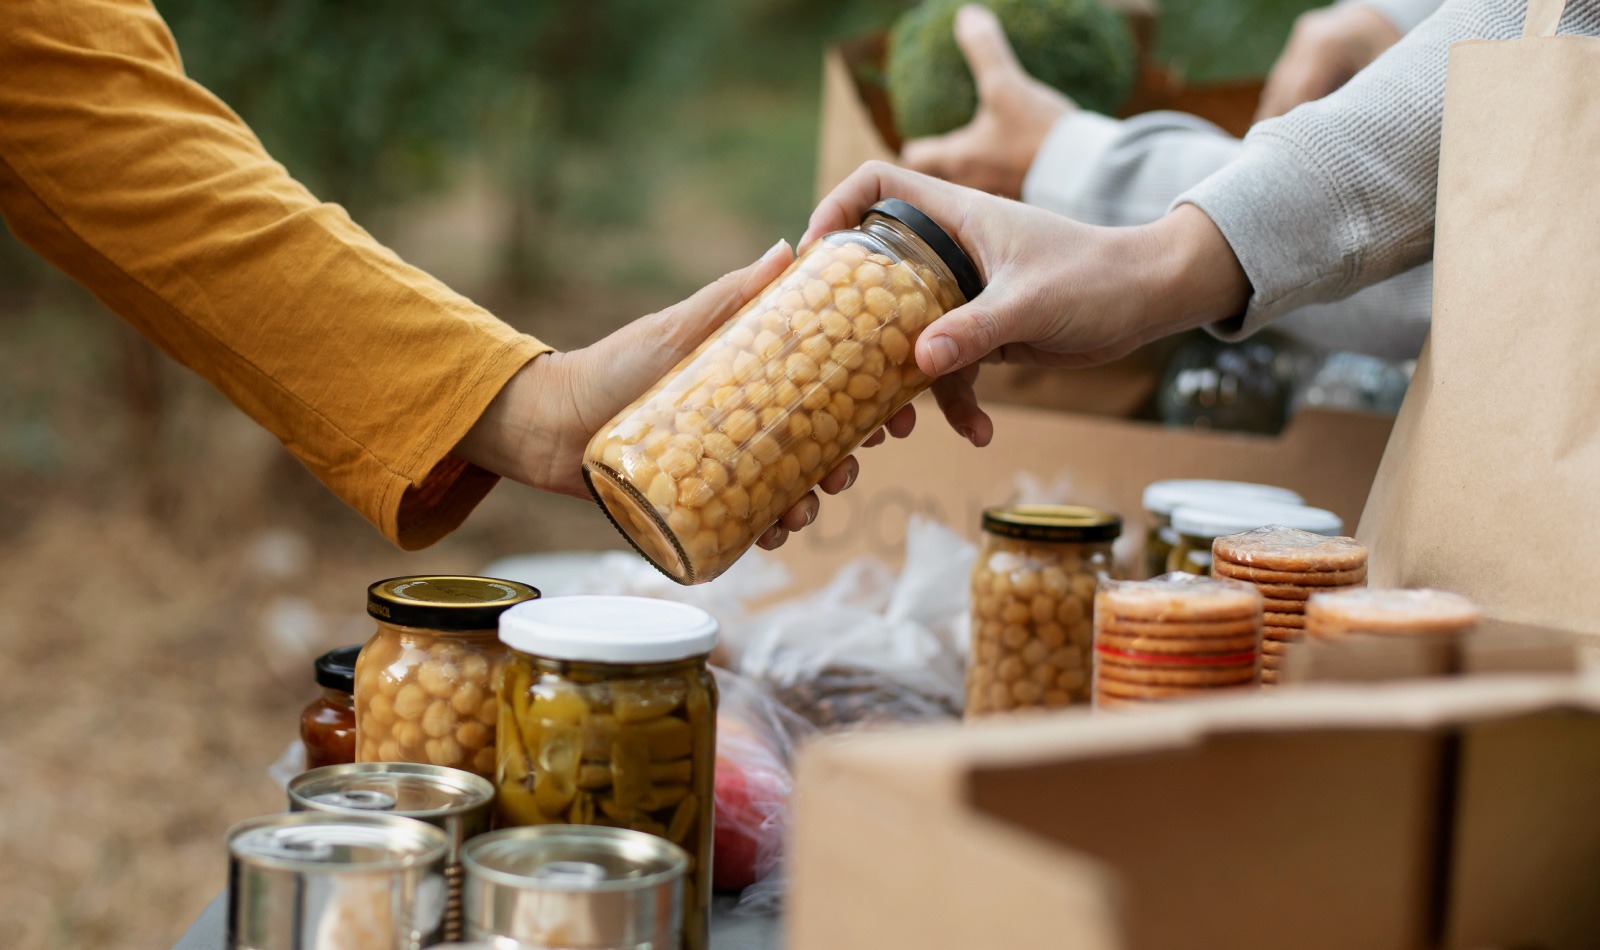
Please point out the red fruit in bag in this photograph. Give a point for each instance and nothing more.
(738, 824)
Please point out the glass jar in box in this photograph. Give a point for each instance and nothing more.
(703, 463)
(608, 717)
(1162, 498)
(328, 723)
(425, 681)
(1033, 591)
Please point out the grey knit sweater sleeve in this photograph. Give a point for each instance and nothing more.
(1339, 194)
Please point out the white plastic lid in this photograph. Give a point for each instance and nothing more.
(603, 629)
(1217, 519)
(1162, 498)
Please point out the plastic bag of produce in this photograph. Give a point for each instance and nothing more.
(756, 738)
(871, 647)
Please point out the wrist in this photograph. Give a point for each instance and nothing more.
(1198, 278)
(526, 432)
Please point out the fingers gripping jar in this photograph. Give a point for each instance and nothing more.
(608, 717)
(702, 464)
(1033, 589)
(425, 687)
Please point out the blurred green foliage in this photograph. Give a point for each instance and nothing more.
(1209, 40)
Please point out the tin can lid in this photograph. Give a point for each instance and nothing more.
(1160, 498)
(445, 602)
(336, 669)
(606, 629)
(568, 858)
(968, 280)
(1217, 519)
(311, 842)
(1054, 523)
(409, 789)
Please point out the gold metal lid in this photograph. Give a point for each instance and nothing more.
(445, 602)
(1056, 523)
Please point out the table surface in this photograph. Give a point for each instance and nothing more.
(728, 931)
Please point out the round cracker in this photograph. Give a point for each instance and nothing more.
(1178, 597)
(1387, 611)
(1300, 592)
(1295, 621)
(1148, 675)
(1272, 661)
(1122, 690)
(1255, 575)
(1283, 606)
(1276, 548)
(1271, 677)
(1274, 647)
(1191, 646)
(1146, 628)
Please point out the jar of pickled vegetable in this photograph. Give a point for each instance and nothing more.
(608, 717)
(1162, 498)
(1033, 591)
(704, 462)
(328, 724)
(425, 687)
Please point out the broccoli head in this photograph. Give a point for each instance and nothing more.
(1078, 46)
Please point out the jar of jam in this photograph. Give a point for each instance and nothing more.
(705, 461)
(1033, 589)
(328, 724)
(1199, 525)
(1162, 498)
(425, 682)
(608, 717)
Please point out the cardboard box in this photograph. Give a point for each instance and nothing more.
(1330, 457)
(1460, 813)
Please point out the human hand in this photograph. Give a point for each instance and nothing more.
(1015, 113)
(535, 431)
(1058, 292)
(1326, 47)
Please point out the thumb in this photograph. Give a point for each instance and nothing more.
(941, 156)
(964, 336)
(688, 323)
(983, 42)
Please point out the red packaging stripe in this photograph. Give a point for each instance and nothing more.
(1181, 659)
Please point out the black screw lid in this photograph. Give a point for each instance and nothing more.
(968, 280)
(336, 669)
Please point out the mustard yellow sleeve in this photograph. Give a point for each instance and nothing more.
(149, 191)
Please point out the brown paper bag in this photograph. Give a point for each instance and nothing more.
(1490, 485)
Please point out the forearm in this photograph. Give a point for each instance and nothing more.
(150, 192)
(1123, 172)
(1339, 194)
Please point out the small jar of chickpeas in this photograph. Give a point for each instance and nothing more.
(1033, 589)
(425, 681)
(704, 462)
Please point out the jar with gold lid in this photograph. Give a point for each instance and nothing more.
(1033, 591)
(425, 681)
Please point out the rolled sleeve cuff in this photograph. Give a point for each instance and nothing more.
(1285, 224)
(1069, 160)
(1404, 14)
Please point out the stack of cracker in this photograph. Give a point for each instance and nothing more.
(1388, 612)
(1287, 566)
(1177, 636)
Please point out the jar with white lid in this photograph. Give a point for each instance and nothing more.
(1162, 498)
(1197, 526)
(608, 717)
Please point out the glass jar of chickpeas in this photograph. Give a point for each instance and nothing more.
(1033, 591)
(703, 463)
(425, 682)
(608, 717)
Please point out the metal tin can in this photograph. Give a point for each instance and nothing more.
(321, 882)
(451, 800)
(575, 887)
